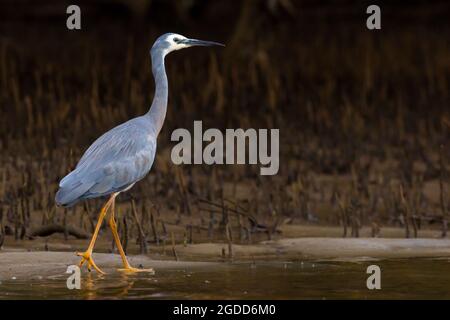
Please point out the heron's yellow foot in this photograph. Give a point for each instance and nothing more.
(130, 269)
(87, 257)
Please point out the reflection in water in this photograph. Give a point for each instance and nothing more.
(401, 279)
(89, 285)
(128, 283)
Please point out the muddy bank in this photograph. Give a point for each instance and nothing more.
(326, 248)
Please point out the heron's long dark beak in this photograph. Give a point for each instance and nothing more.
(195, 42)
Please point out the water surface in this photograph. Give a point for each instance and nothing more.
(401, 279)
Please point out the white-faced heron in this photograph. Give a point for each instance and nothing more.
(125, 154)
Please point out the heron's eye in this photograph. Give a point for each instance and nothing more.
(176, 40)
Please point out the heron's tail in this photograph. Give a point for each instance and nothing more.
(71, 190)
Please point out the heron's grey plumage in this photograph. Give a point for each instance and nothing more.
(114, 162)
(125, 154)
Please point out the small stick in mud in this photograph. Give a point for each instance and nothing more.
(154, 229)
(184, 192)
(188, 234)
(248, 235)
(87, 211)
(354, 209)
(241, 228)
(344, 217)
(406, 214)
(2, 232)
(229, 240)
(211, 227)
(442, 193)
(174, 251)
(142, 238)
(164, 230)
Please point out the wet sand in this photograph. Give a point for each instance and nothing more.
(41, 263)
(328, 248)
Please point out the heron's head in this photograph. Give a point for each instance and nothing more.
(171, 42)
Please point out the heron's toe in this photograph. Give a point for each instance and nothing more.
(87, 257)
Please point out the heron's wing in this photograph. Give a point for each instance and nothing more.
(116, 160)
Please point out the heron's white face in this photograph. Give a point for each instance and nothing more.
(174, 42)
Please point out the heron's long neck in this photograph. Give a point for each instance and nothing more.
(157, 112)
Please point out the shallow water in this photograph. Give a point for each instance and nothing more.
(400, 279)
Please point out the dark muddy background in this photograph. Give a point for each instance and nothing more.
(363, 115)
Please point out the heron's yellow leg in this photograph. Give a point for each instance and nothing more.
(87, 255)
(126, 266)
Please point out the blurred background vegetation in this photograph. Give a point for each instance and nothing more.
(364, 115)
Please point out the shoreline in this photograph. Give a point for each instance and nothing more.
(16, 262)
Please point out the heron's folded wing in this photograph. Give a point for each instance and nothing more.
(119, 158)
